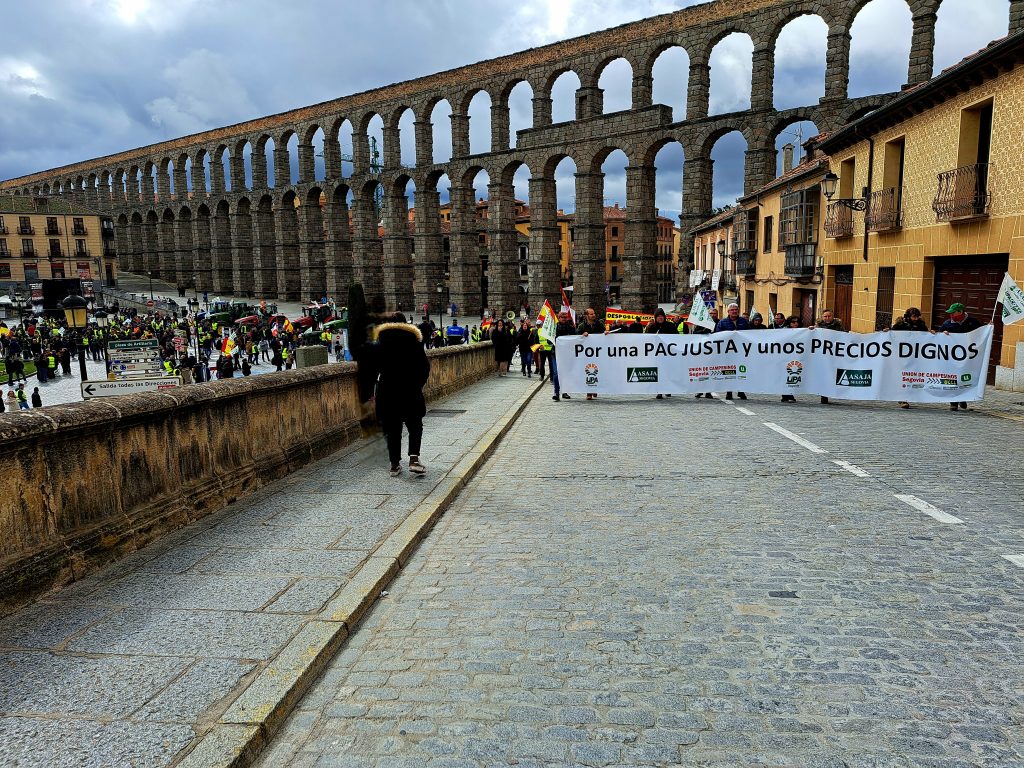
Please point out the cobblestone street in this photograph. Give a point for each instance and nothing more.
(688, 582)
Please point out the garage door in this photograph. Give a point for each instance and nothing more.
(974, 282)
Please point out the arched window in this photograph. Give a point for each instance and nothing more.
(800, 62)
(731, 62)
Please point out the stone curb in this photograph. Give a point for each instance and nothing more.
(262, 708)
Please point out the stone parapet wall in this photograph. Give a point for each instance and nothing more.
(89, 482)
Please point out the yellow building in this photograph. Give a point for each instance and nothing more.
(940, 172)
(51, 237)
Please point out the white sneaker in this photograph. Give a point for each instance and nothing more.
(396, 470)
(415, 467)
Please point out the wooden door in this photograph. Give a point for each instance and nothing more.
(974, 282)
(844, 295)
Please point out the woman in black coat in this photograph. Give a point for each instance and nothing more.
(504, 346)
(402, 371)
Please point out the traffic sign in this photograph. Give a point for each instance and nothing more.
(134, 344)
(140, 366)
(93, 389)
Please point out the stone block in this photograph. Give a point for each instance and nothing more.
(307, 357)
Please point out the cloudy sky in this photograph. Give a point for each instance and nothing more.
(85, 78)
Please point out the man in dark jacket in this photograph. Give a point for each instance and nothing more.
(590, 324)
(733, 322)
(563, 328)
(700, 330)
(403, 369)
(959, 322)
(911, 321)
(831, 323)
(661, 325)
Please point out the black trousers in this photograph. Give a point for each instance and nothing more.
(392, 427)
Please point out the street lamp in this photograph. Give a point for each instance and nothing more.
(150, 285)
(76, 312)
(828, 188)
(440, 311)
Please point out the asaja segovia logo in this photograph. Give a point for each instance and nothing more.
(848, 378)
(590, 374)
(794, 373)
(642, 375)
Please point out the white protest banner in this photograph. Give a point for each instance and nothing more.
(699, 314)
(903, 366)
(1012, 299)
(716, 278)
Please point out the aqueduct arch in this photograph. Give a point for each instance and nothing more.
(308, 238)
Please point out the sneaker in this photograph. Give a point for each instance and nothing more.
(565, 396)
(904, 404)
(728, 395)
(659, 397)
(416, 467)
(963, 406)
(699, 395)
(742, 395)
(396, 470)
(824, 401)
(555, 398)
(952, 406)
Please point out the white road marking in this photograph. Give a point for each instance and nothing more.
(923, 506)
(795, 438)
(745, 411)
(1017, 560)
(853, 469)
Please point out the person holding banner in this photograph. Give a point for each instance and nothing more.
(660, 325)
(832, 323)
(959, 322)
(704, 330)
(911, 321)
(564, 328)
(590, 324)
(733, 322)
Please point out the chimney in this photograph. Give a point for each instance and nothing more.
(787, 157)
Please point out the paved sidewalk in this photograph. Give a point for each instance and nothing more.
(633, 582)
(128, 666)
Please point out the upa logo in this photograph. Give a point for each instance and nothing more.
(965, 378)
(794, 373)
(850, 378)
(642, 375)
(590, 374)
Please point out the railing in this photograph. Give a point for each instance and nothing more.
(884, 210)
(838, 221)
(728, 282)
(80, 231)
(801, 260)
(83, 253)
(26, 231)
(53, 230)
(746, 263)
(963, 193)
(55, 253)
(28, 253)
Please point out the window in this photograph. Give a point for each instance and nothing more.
(5, 271)
(884, 297)
(84, 270)
(3, 228)
(51, 226)
(25, 226)
(615, 231)
(963, 192)
(615, 273)
(975, 134)
(847, 173)
(57, 270)
(27, 247)
(55, 248)
(749, 301)
(886, 205)
(773, 302)
(482, 239)
(31, 272)
(78, 225)
(80, 247)
(615, 251)
(769, 223)
(3, 246)
(892, 171)
(798, 217)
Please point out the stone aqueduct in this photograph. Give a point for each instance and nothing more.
(279, 240)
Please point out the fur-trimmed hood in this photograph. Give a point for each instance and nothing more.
(407, 327)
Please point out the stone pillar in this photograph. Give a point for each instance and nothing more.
(149, 185)
(338, 249)
(166, 250)
(92, 199)
(643, 91)
(307, 165)
(697, 193)
(464, 265)
(837, 64)
(332, 158)
(545, 264)
(699, 88)
(360, 153)
(122, 243)
(430, 267)
(588, 257)
(541, 110)
(503, 249)
(259, 171)
(312, 268)
(237, 167)
(589, 102)
(367, 250)
(758, 168)
(282, 168)
(265, 252)
(1016, 16)
(180, 183)
(922, 48)
(500, 138)
(184, 254)
(221, 253)
(151, 247)
(424, 142)
(243, 279)
(639, 290)
(216, 177)
(202, 260)
(392, 154)
(460, 136)
(762, 81)
(289, 284)
(397, 255)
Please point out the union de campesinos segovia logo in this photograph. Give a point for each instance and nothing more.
(590, 374)
(642, 375)
(849, 378)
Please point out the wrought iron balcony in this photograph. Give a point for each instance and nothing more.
(79, 231)
(801, 260)
(52, 230)
(24, 230)
(3, 230)
(746, 263)
(28, 253)
(838, 221)
(728, 282)
(82, 253)
(55, 253)
(884, 210)
(963, 193)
